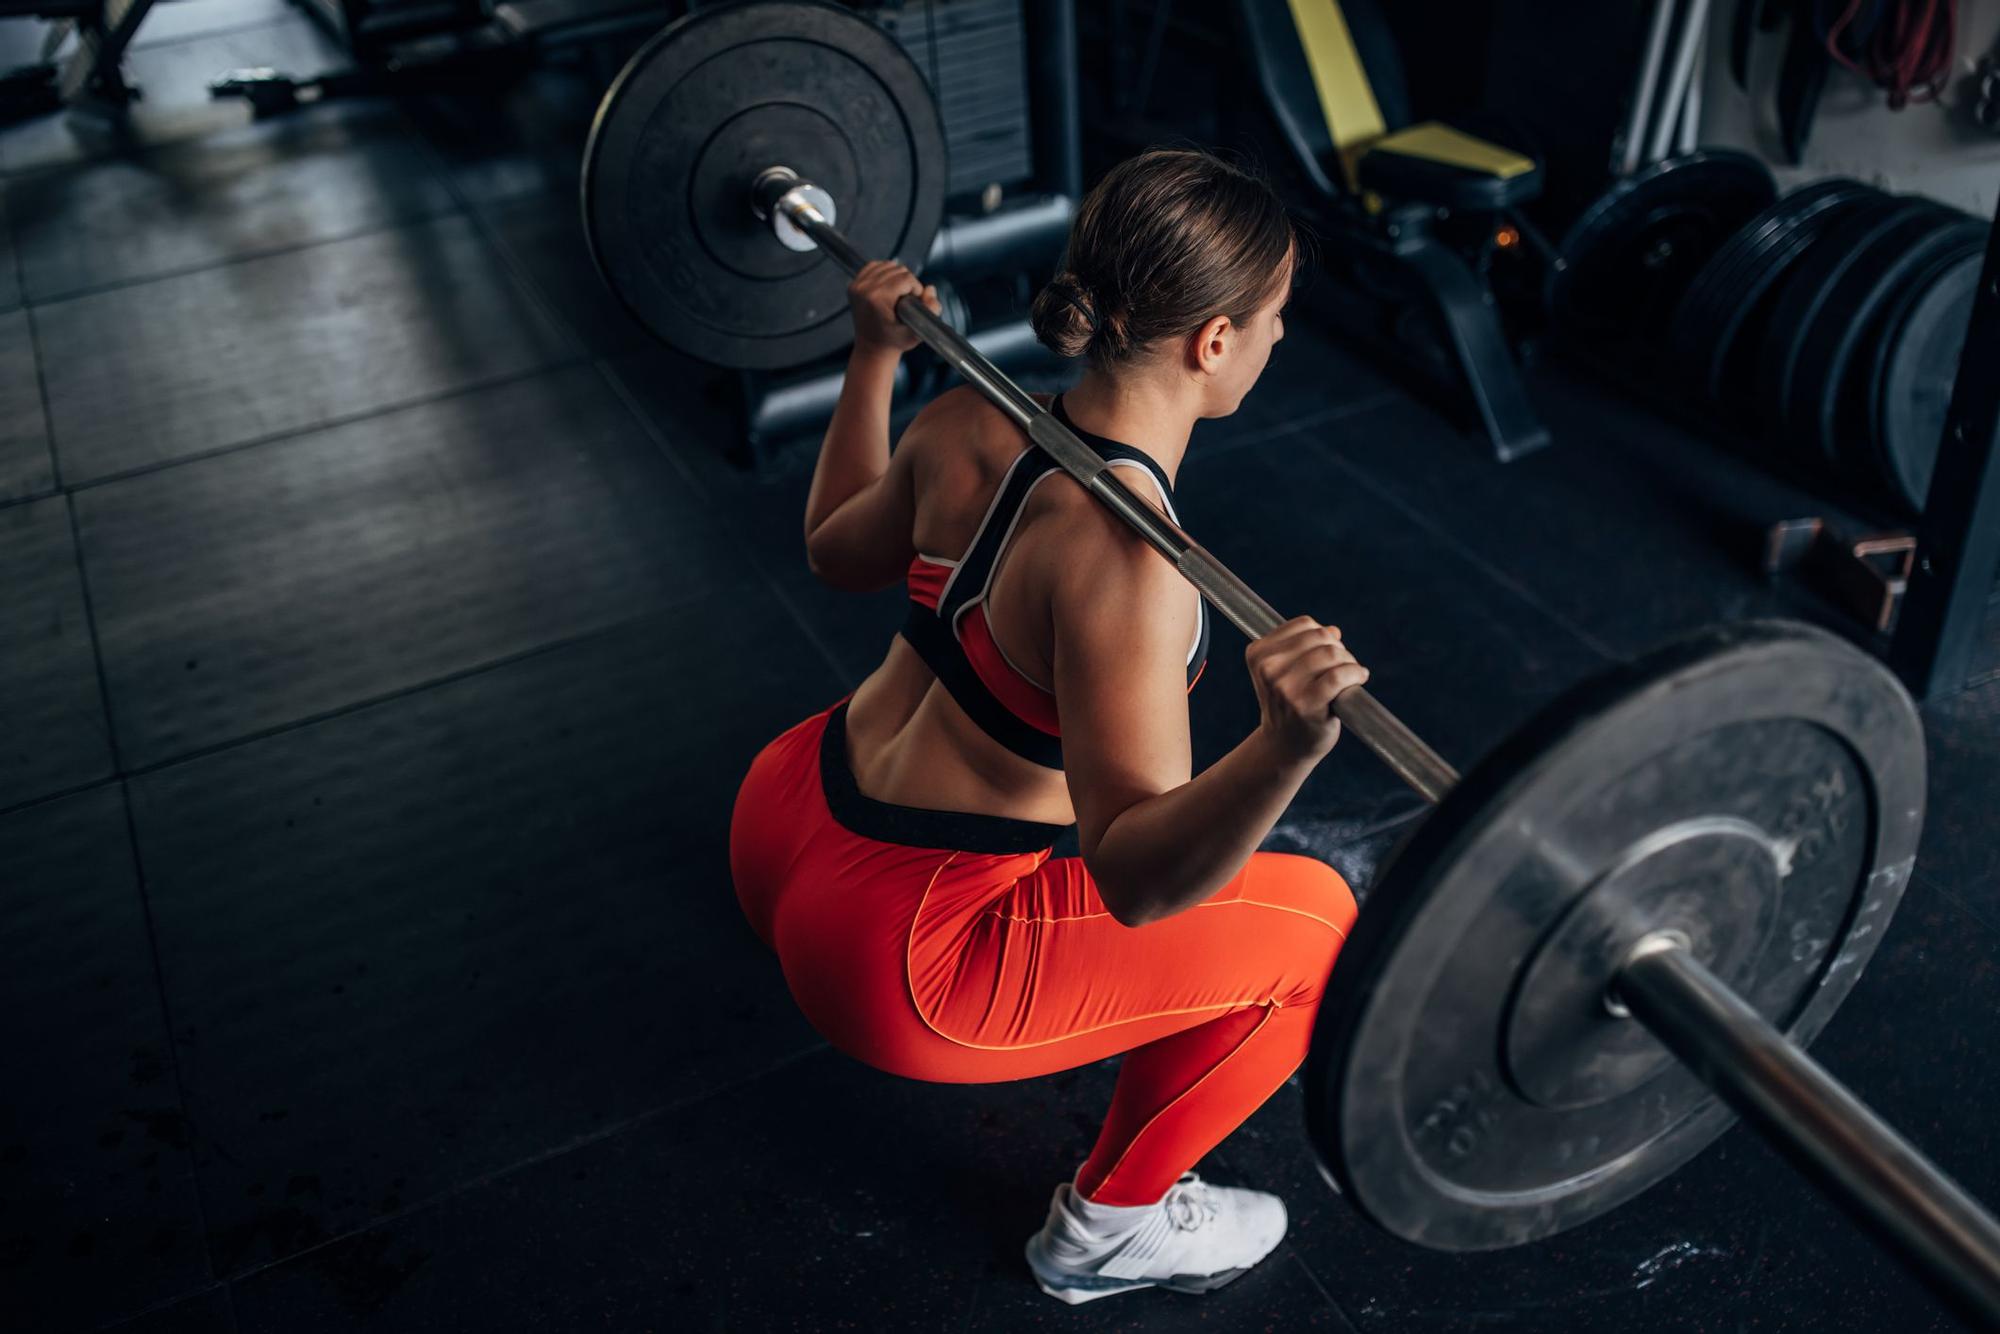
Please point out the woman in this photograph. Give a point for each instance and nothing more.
(895, 850)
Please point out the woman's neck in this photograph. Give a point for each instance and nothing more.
(1140, 414)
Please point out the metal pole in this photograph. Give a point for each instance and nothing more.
(1639, 118)
(1832, 1134)
(1694, 31)
(1688, 137)
(780, 192)
(1058, 118)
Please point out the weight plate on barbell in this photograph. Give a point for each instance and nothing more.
(711, 101)
(1759, 789)
(1627, 260)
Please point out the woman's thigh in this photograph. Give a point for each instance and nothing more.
(1041, 977)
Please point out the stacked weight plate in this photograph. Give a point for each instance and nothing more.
(1730, 298)
(1626, 261)
(1828, 327)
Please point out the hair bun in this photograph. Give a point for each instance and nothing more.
(1063, 316)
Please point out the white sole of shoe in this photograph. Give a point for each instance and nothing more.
(1067, 1286)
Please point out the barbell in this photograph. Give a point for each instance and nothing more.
(1613, 935)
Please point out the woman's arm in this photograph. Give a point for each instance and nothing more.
(1155, 841)
(861, 505)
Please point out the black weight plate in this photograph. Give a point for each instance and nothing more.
(1740, 336)
(697, 113)
(1627, 261)
(1845, 319)
(1759, 788)
(1919, 370)
(1812, 282)
(1725, 296)
(1715, 288)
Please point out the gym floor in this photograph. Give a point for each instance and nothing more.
(384, 634)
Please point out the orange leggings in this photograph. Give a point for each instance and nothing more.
(953, 948)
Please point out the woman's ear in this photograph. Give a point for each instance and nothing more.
(1211, 343)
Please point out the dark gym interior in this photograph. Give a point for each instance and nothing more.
(387, 618)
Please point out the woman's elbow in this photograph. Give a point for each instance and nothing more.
(1124, 906)
(824, 571)
(829, 569)
(845, 579)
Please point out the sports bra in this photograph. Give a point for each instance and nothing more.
(946, 621)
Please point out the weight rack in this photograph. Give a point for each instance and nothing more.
(1949, 634)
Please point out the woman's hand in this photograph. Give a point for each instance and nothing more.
(873, 296)
(1297, 670)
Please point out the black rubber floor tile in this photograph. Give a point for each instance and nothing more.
(1958, 850)
(1279, 1294)
(1311, 375)
(25, 466)
(98, 1215)
(274, 584)
(142, 375)
(1629, 530)
(323, 173)
(173, 79)
(1458, 656)
(53, 734)
(853, 629)
(543, 235)
(823, 1196)
(21, 40)
(1984, 668)
(430, 939)
(689, 407)
(10, 276)
(209, 1313)
(181, 71)
(204, 18)
(1736, 1239)
(525, 138)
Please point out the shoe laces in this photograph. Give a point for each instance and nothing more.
(1189, 1204)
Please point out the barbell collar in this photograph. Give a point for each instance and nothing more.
(1834, 1136)
(778, 194)
(782, 196)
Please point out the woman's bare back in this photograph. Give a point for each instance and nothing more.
(909, 741)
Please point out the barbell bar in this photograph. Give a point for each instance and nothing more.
(1691, 856)
(781, 196)
(1850, 1149)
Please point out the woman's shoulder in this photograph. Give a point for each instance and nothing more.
(960, 434)
(962, 407)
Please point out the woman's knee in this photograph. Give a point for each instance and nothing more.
(1311, 889)
(1305, 885)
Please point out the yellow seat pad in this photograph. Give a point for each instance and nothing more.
(1454, 148)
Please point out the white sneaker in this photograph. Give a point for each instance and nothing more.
(1197, 1238)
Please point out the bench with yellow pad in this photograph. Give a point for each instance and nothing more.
(1331, 75)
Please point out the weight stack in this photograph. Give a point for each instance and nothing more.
(974, 55)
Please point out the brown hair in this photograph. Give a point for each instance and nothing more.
(1165, 242)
